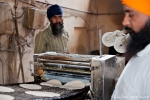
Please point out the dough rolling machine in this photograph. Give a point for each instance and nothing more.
(64, 67)
(100, 71)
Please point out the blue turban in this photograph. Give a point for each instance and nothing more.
(54, 10)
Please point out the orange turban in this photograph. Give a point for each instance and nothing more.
(139, 5)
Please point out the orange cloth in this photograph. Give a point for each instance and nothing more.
(139, 5)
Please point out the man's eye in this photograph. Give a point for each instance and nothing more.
(130, 15)
(60, 16)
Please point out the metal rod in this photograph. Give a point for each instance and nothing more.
(67, 57)
(82, 72)
(67, 66)
(100, 39)
(64, 62)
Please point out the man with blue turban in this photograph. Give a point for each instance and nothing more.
(54, 38)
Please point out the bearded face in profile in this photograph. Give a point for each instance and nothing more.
(138, 40)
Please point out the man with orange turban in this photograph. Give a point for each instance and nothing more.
(134, 82)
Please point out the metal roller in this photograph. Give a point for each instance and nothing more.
(64, 62)
(67, 66)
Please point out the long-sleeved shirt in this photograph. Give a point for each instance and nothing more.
(45, 41)
(134, 82)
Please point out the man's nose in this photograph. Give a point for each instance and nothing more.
(58, 20)
(125, 21)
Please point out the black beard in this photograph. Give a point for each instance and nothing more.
(138, 41)
(57, 30)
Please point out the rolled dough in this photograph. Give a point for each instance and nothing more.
(30, 86)
(6, 97)
(42, 94)
(74, 85)
(6, 89)
(52, 83)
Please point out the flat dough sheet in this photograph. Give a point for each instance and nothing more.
(6, 97)
(42, 94)
(6, 89)
(52, 83)
(74, 85)
(30, 86)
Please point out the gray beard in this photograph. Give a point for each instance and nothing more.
(57, 30)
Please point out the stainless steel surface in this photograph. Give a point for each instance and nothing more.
(103, 76)
(120, 64)
(66, 57)
(61, 66)
(100, 38)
